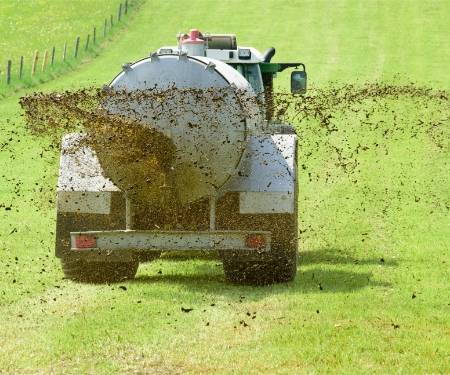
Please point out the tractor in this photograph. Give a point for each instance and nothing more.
(230, 186)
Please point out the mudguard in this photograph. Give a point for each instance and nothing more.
(267, 178)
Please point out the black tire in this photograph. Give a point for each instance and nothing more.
(280, 265)
(98, 272)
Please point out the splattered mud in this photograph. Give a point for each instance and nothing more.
(136, 135)
(119, 142)
(337, 127)
(123, 141)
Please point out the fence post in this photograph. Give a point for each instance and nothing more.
(8, 72)
(94, 35)
(87, 42)
(21, 67)
(112, 22)
(44, 60)
(126, 7)
(104, 28)
(35, 60)
(65, 51)
(77, 45)
(119, 16)
(53, 55)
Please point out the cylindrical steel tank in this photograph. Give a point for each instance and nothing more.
(203, 105)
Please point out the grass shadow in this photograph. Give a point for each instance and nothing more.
(339, 256)
(315, 280)
(208, 277)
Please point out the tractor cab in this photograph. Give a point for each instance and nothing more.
(257, 68)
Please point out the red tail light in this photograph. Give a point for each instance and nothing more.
(255, 241)
(84, 241)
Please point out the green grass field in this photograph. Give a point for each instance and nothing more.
(372, 293)
(40, 25)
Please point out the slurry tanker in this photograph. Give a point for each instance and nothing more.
(221, 176)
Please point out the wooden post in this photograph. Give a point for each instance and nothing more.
(126, 7)
(87, 42)
(65, 51)
(104, 28)
(21, 67)
(94, 35)
(53, 55)
(8, 72)
(119, 16)
(77, 45)
(35, 60)
(44, 60)
(111, 20)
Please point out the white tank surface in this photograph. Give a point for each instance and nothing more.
(203, 105)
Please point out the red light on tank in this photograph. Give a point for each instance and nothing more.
(194, 37)
(255, 241)
(85, 241)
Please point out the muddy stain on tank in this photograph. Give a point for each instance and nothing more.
(135, 158)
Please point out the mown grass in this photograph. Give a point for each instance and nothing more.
(372, 292)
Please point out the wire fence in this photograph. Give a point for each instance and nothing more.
(23, 72)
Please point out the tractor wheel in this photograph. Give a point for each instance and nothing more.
(280, 265)
(98, 272)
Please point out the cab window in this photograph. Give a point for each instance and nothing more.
(252, 74)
